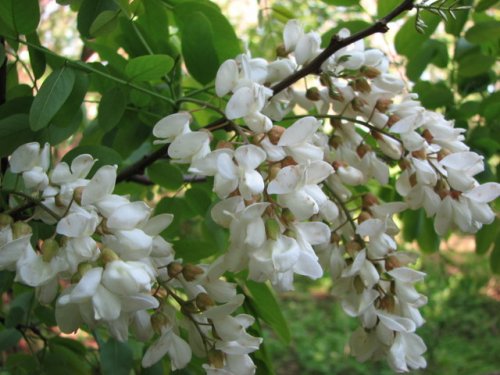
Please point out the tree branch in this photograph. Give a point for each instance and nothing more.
(139, 166)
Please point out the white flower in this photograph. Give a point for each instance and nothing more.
(169, 343)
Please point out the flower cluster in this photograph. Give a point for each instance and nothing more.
(287, 192)
(105, 259)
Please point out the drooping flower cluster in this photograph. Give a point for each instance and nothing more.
(104, 258)
(287, 192)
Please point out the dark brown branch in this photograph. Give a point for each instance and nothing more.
(336, 44)
(138, 167)
(313, 67)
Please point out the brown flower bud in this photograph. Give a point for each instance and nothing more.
(363, 149)
(216, 358)
(369, 200)
(419, 154)
(313, 94)
(369, 71)
(363, 216)
(392, 262)
(77, 194)
(174, 269)
(288, 161)
(203, 301)
(273, 171)
(357, 104)
(275, 134)
(427, 135)
(361, 85)
(382, 105)
(392, 120)
(191, 272)
(224, 144)
(281, 51)
(353, 247)
(158, 321)
(387, 303)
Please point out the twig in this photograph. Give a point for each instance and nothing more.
(139, 166)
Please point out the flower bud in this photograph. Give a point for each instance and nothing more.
(273, 229)
(335, 94)
(5, 220)
(158, 321)
(288, 161)
(363, 149)
(273, 171)
(174, 269)
(369, 72)
(427, 135)
(382, 105)
(224, 144)
(203, 301)
(419, 154)
(361, 85)
(335, 141)
(189, 307)
(357, 104)
(216, 358)
(77, 194)
(290, 233)
(49, 249)
(387, 303)
(369, 200)
(108, 255)
(20, 229)
(392, 120)
(313, 94)
(59, 201)
(275, 134)
(281, 51)
(363, 216)
(392, 262)
(353, 247)
(82, 269)
(287, 215)
(413, 179)
(191, 272)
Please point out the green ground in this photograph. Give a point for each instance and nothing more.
(462, 330)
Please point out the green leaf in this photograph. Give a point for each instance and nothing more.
(411, 225)
(485, 237)
(268, 309)
(103, 154)
(434, 95)
(37, 58)
(14, 131)
(2, 54)
(19, 309)
(154, 21)
(89, 11)
(61, 360)
(202, 62)
(475, 64)
(26, 15)
(432, 50)
(166, 175)
(104, 23)
(111, 108)
(428, 240)
(199, 200)
(484, 31)
(21, 364)
(455, 25)
(6, 277)
(408, 41)
(495, 256)
(51, 96)
(484, 5)
(116, 358)
(194, 250)
(386, 6)
(147, 68)
(9, 338)
(202, 24)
